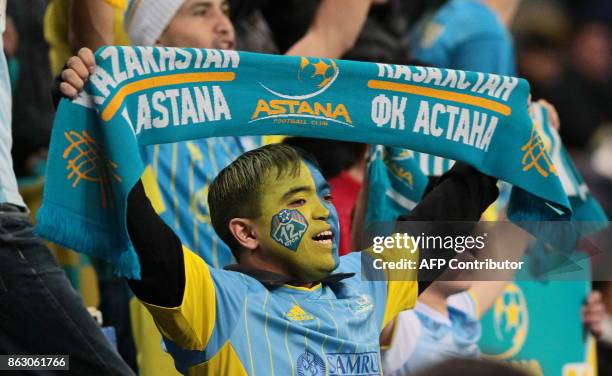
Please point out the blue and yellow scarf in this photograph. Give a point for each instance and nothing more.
(144, 95)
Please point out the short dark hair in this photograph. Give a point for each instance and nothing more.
(236, 191)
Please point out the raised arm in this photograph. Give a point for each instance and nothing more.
(176, 286)
(92, 23)
(506, 242)
(334, 30)
(462, 194)
(160, 253)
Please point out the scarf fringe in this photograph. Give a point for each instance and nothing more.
(69, 230)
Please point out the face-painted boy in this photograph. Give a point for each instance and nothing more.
(290, 305)
(296, 233)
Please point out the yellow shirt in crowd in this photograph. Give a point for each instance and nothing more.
(56, 30)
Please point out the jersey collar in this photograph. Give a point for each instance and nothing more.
(274, 280)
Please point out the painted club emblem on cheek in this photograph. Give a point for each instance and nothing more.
(288, 228)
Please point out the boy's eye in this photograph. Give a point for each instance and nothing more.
(298, 202)
(326, 195)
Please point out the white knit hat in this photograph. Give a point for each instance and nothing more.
(146, 20)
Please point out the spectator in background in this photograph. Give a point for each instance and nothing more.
(41, 313)
(579, 86)
(30, 81)
(308, 27)
(452, 39)
(591, 70)
(278, 24)
(284, 21)
(386, 35)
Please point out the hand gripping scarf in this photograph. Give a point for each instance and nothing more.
(145, 95)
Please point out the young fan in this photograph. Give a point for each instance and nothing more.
(290, 305)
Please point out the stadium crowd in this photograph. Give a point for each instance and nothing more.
(186, 215)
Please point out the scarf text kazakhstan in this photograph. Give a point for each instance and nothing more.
(170, 106)
(177, 87)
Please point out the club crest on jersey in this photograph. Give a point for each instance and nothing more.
(288, 228)
(310, 364)
(363, 304)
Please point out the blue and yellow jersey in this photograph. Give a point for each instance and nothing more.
(451, 39)
(176, 179)
(232, 324)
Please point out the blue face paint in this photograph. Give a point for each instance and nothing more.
(323, 190)
(288, 228)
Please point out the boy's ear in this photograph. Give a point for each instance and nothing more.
(243, 231)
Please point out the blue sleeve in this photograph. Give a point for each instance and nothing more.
(231, 289)
(489, 53)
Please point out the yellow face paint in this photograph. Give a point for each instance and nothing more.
(298, 226)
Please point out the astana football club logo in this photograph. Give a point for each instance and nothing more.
(315, 75)
(288, 228)
(511, 322)
(294, 101)
(87, 161)
(310, 364)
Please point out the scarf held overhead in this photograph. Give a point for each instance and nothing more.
(145, 95)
